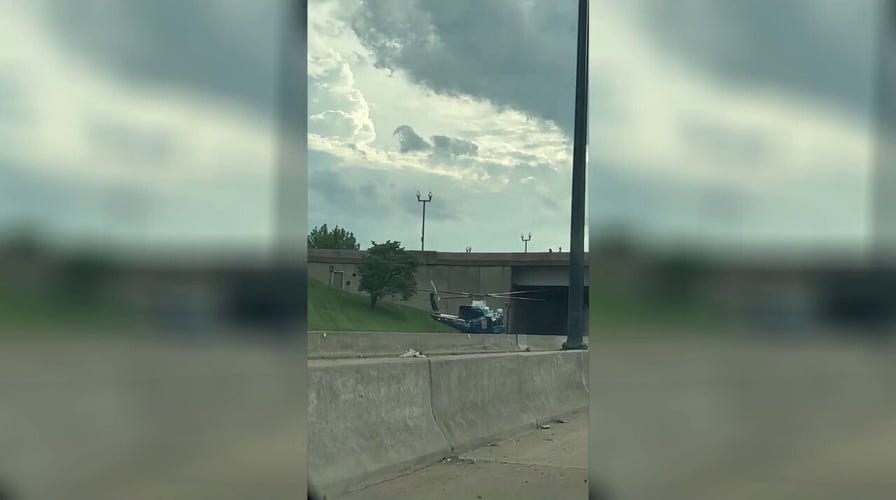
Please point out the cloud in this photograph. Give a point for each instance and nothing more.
(223, 48)
(677, 122)
(816, 49)
(198, 155)
(152, 144)
(823, 50)
(337, 109)
(453, 146)
(409, 141)
(354, 189)
(442, 146)
(528, 64)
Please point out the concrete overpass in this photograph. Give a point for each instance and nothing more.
(544, 272)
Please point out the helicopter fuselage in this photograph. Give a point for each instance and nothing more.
(474, 318)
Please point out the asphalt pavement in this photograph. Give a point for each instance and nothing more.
(537, 465)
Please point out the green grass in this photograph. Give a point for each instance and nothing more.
(25, 313)
(616, 312)
(330, 309)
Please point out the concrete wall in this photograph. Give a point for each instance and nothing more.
(374, 419)
(485, 279)
(473, 272)
(542, 276)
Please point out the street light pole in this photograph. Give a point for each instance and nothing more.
(423, 230)
(577, 216)
(525, 241)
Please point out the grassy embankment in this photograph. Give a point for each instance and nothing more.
(330, 309)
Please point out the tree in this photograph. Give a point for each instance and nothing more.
(337, 239)
(677, 276)
(387, 270)
(84, 276)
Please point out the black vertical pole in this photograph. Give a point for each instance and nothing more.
(423, 230)
(883, 178)
(577, 217)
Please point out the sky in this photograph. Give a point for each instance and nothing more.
(140, 123)
(737, 123)
(741, 124)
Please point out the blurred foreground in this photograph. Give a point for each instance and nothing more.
(738, 419)
(128, 379)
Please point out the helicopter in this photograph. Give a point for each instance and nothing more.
(476, 317)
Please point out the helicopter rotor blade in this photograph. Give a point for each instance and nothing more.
(454, 292)
(500, 296)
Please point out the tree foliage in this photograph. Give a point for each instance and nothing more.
(387, 270)
(677, 276)
(336, 239)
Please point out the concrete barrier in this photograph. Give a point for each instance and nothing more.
(553, 383)
(372, 419)
(369, 420)
(332, 345)
(586, 370)
(544, 342)
(338, 345)
(478, 399)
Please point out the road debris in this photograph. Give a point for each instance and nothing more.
(454, 459)
(412, 354)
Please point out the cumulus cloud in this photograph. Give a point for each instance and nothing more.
(453, 146)
(106, 128)
(680, 133)
(409, 141)
(337, 108)
(341, 188)
(441, 146)
(822, 50)
(528, 64)
(219, 48)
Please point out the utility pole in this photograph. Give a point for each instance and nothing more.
(577, 216)
(883, 178)
(526, 241)
(423, 230)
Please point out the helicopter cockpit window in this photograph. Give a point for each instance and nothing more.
(469, 312)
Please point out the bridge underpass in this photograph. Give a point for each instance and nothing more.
(547, 316)
(547, 273)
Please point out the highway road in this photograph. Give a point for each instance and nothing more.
(770, 420)
(539, 464)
